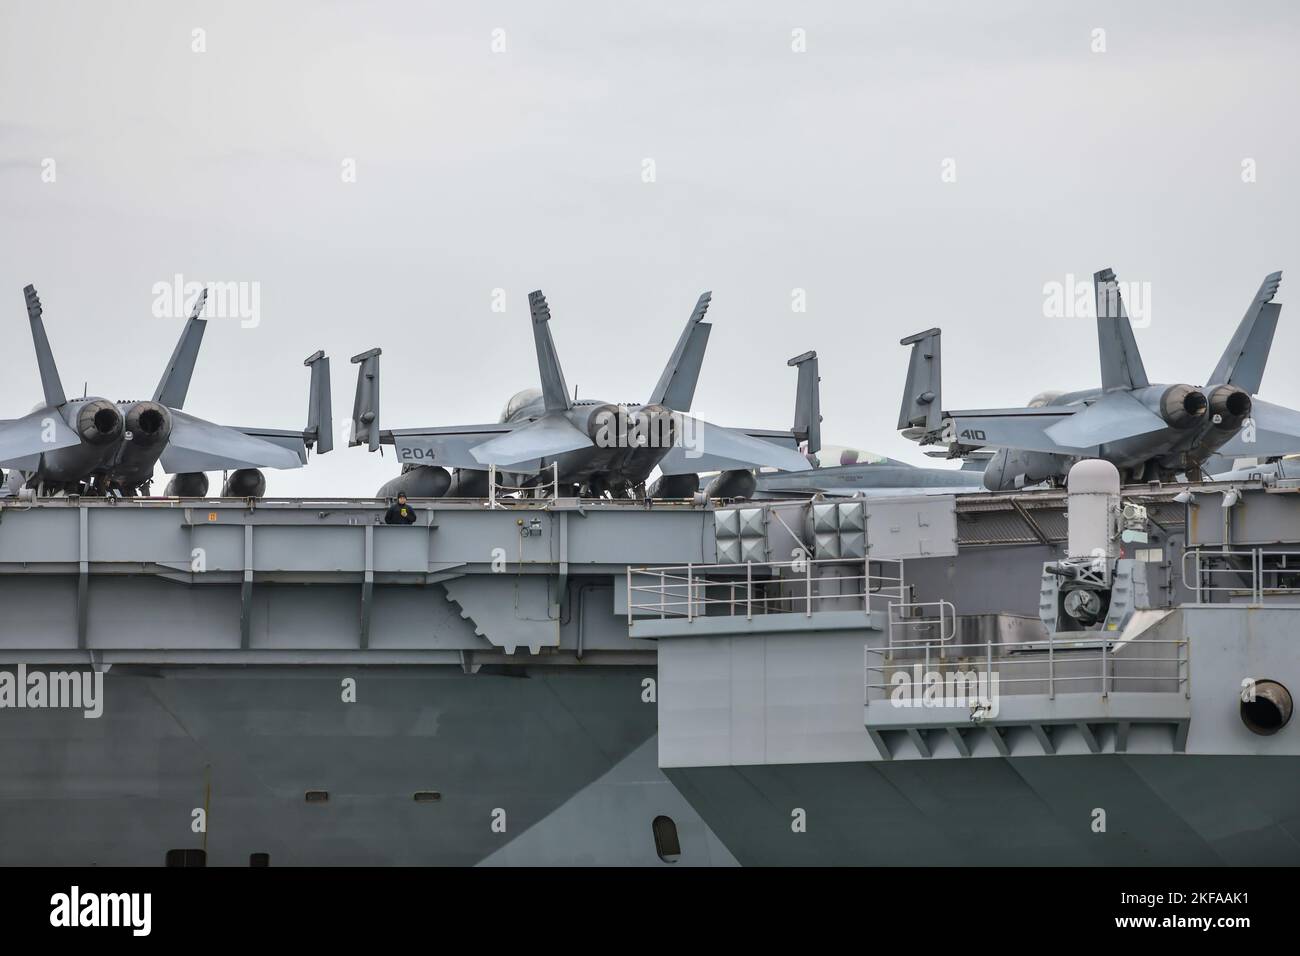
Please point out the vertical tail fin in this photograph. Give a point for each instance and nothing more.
(365, 407)
(54, 395)
(808, 402)
(175, 382)
(922, 399)
(1243, 361)
(676, 386)
(554, 391)
(1121, 364)
(320, 407)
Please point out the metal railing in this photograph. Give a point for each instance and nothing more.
(548, 491)
(916, 630)
(1251, 573)
(688, 591)
(1056, 660)
(757, 588)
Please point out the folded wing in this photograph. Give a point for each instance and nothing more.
(448, 447)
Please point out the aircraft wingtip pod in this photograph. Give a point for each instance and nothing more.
(33, 300)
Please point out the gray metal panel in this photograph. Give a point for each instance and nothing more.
(38, 534)
(912, 527)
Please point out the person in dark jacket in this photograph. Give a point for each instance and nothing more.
(400, 513)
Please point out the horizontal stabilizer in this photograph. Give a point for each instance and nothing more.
(1113, 417)
(1121, 364)
(175, 382)
(554, 392)
(54, 394)
(709, 447)
(547, 437)
(198, 445)
(1270, 432)
(22, 440)
(676, 386)
(1244, 359)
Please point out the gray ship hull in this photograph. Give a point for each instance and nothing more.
(561, 760)
(1161, 810)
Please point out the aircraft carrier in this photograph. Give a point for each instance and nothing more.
(555, 681)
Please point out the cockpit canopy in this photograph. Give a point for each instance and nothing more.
(518, 400)
(833, 455)
(1043, 399)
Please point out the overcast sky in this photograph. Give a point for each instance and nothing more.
(825, 170)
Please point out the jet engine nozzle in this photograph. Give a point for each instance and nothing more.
(603, 425)
(1183, 406)
(148, 423)
(653, 426)
(1229, 407)
(99, 422)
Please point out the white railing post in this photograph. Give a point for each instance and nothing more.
(988, 666)
(749, 590)
(807, 583)
(690, 593)
(866, 584)
(1051, 667)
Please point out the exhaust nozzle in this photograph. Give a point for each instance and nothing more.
(148, 423)
(1183, 406)
(99, 422)
(1229, 407)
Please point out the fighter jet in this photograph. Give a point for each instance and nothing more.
(1150, 432)
(91, 445)
(856, 472)
(599, 448)
(870, 476)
